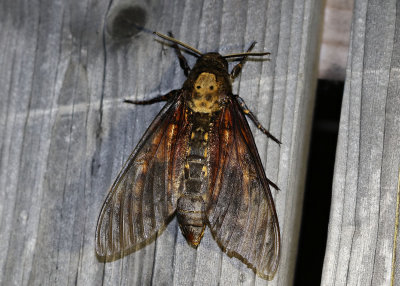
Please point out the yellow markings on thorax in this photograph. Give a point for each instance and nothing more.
(206, 93)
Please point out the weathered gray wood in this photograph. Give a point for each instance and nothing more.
(363, 232)
(335, 39)
(65, 132)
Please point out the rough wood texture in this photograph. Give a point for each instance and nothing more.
(65, 132)
(363, 229)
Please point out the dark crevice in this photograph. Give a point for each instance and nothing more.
(318, 192)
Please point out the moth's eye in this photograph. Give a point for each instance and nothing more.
(198, 87)
(211, 87)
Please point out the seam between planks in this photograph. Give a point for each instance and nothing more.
(396, 231)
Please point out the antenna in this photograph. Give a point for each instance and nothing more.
(248, 53)
(245, 54)
(178, 42)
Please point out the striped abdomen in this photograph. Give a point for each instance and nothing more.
(191, 204)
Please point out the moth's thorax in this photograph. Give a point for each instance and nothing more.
(206, 94)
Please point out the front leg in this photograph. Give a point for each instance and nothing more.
(238, 68)
(182, 60)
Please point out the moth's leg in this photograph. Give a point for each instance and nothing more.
(273, 185)
(250, 114)
(182, 59)
(238, 68)
(160, 98)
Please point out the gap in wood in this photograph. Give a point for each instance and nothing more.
(318, 192)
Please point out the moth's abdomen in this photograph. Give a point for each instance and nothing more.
(190, 213)
(191, 204)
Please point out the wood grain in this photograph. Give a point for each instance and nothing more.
(363, 231)
(66, 67)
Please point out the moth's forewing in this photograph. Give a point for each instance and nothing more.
(241, 211)
(144, 195)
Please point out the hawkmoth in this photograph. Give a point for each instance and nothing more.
(198, 161)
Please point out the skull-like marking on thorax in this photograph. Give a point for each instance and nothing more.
(205, 94)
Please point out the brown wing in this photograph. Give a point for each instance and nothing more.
(144, 194)
(241, 211)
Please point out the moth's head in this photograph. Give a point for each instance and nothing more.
(213, 62)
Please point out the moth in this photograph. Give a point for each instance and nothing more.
(198, 161)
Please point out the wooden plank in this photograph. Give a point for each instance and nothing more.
(363, 230)
(65, 133)
(335, 39)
